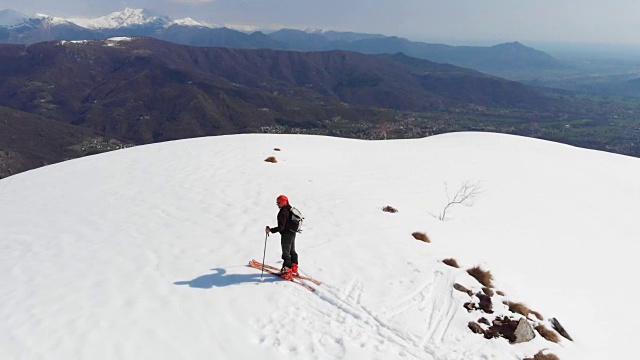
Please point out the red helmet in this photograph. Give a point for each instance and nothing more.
(282, 200)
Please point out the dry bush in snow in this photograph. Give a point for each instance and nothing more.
(451, 262)
(548, 334)
(541, 356)
(487, 291)
(421, 236)
(390, 209)
(465, 195)
(522, 309)
(537, 315)
(484, 277)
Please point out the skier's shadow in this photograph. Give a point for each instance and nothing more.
(221, 278)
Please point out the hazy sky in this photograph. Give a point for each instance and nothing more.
(586, 21)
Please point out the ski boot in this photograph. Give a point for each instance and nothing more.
(294, 269)
(286, 273)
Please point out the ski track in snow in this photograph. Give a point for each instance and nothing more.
(335, 322)
(441, 309)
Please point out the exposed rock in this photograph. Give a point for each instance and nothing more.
(504, 327)
(524, 332)
(462, 288)
(491, 333)
(557, 327)
(484, 321)
(475, 327)
(485, 303)
(469, 306)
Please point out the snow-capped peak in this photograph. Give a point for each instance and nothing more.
(52, 20)
(188, 22)
(124, 18)
(314, 31)
(127, 17)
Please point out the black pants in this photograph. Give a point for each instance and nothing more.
(288, 242)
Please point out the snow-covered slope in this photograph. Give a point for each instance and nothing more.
(189, 22)
(49, 20)
(127, 17)
(141, 253)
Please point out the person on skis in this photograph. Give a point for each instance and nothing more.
(287, 239)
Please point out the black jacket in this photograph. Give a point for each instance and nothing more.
(283, 220)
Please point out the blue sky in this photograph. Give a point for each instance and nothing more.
(579, 21)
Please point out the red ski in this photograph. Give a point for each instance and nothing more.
(276, 269)
(257, 265)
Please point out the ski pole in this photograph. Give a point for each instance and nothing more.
(263, 254)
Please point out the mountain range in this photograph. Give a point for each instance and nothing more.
(108, 93)
(497, 60)
(142, 90)
(149, 90)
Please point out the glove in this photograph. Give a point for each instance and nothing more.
(267, 230)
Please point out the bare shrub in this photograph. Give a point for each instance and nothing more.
(483, 321)
(421, 236)
(548, 334)
(484, 277)
(487, 291)
(271, 159)
(451, 262)
(390, 209)
(541, 356)
(499, 292)
(465, 195)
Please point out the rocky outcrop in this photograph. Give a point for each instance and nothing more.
(524, 332)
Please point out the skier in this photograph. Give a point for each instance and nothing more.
(287, 239)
